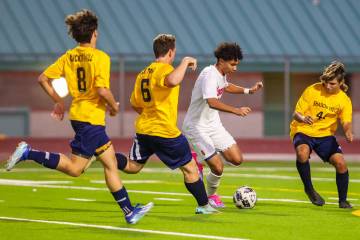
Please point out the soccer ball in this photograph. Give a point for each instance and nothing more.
(244, 197)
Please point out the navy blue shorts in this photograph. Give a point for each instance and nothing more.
(89, 139)
(174, 152)
(324, 147)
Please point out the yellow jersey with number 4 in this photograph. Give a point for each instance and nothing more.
(158, 102)
(84, 69)
(325, 109)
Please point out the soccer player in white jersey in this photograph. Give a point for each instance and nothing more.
(202, 125)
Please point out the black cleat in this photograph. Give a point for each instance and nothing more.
(314, 197)
(345, 204)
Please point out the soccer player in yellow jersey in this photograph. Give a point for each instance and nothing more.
(314, 125)
(155, 98)
(87, 72)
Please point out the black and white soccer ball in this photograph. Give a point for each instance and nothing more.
(244, 197)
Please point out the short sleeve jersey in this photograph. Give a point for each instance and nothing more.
(210, 84)
(158, 102)
(84, 69)
(324, 108)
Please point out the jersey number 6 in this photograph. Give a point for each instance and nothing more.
(145, 91)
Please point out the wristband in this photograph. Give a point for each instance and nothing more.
(246, 90)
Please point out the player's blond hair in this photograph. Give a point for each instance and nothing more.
(336, 70)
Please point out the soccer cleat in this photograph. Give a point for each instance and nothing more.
(207, 209)
(138, 212)
(345, 204)
(314, 197)
(215, 201)
(21, 153)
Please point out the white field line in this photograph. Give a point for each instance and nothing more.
(350, 199)
(190, 235)
(152, 192)
(30, 182)
(130, 181)
(81, 199)
(169, 199)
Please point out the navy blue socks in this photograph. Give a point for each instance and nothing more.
(122, 198)
(197, 189)
(305, 175)
(47, 159)
(342, 182)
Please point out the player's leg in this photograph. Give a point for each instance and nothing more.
(342, 178)
(71, 166)
(119, 192)
(176, 153)
(213, 179)
(302, 144)
(329, 151)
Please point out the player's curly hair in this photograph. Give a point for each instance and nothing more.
(336, 70)
(162, 43)
(81, 25)
(228, 51)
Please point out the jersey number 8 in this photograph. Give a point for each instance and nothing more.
(80, 73)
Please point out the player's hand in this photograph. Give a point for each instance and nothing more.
(256, 87)
(58, 111)
(243, 111)
(349, 136)
(114, 110)
(191, 62)
(308, 120)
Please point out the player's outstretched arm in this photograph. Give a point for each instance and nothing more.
(108, 97)
(218, 105)
(176, 76)
(232, 88)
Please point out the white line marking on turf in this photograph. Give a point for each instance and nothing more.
(2, 201)
(152, 192)
(169, 199)
(350, 199)
(30, 183)
(121, 229)
(129, 181)
(81, 199)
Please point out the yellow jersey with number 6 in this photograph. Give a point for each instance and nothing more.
(325, 109)
(84, 69)
(158, 102)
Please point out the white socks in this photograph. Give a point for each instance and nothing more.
(213, 182)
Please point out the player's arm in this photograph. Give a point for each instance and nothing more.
(108, 97)
(302, 118)
(59, 107)
(232, 88)
(218, 105)
(176, 76)
(347, 127)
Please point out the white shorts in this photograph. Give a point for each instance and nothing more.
(206, 143)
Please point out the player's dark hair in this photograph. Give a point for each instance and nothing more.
(81, 25)
(228, 51)
(336, 70)
(162, 43)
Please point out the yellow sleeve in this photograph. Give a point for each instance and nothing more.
(346, 112)
(56, 70)
(102, 78)
(303, 103)
(162, 73)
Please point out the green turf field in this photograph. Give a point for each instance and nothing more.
(45, 204)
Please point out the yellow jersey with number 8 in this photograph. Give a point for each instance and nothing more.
(158, 102)
(325, 109)
(85, 69)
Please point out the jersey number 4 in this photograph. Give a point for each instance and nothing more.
(145, 91)
(320, 116)
(80, 73)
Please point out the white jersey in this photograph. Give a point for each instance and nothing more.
(210, 84)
